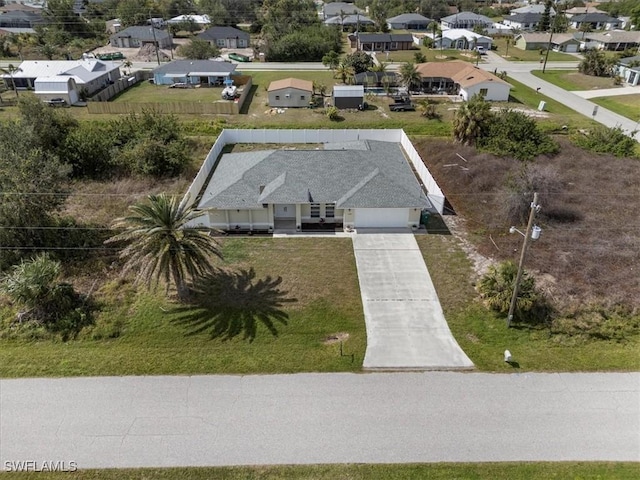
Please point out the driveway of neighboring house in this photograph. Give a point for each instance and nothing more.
(406, 328)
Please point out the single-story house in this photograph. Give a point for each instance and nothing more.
(200, 20)
(466, 20)
(376, 79)
(361, 184)
(629, 69)
(225, 37)
(580, 11)
(113, 26)
(193, 72)
(560, 42)
(613, 41)
(464, 79)
(21, 19)
(535, 8)
(64, 78)
(290, 92)
(350, 21)
(348, 96)
(409, 21)
(10, 7)
(382, 42)
(335, 9)
(595, 21)
(134, 37)
(461, 39)
(523, 21)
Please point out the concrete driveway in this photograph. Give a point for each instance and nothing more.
(406, 328)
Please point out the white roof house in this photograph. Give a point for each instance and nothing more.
(197, 19)
(462, 39)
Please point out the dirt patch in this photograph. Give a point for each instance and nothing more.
(589, 250)
(335, 338)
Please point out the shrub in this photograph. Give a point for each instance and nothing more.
(601, 139)
(598, 322)
(543, 179)
(332, 113)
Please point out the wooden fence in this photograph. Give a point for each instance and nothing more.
(220, 107)
(120, 85)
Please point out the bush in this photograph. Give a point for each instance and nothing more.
(601, 139)
(332, 113)
(598, 322)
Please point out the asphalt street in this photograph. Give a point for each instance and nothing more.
(321, 418)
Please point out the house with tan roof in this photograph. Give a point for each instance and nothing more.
(561, 42)
(290, 93)
(617, 41)
(463, 79)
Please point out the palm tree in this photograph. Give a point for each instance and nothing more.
(344, 72)
(409, 75)
(496, 288)
(380, 67)
(10, 70)
(161, 244)
(471, 120)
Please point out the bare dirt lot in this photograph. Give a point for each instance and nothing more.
(589, 251)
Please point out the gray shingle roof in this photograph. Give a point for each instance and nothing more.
(385, 37)
(214, 33)
(145, 34)
(466, 16)
(186, 66)
(593, 17)
(409, 18)
(525, 17)
(336, 8)
(366, 174)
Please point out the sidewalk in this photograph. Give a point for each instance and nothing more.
(609, 92)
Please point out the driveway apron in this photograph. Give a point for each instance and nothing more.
(406, 328)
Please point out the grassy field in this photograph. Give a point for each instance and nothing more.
(144, 92)
(625, 105)
(571, 80)
(515, 54)
(435, 471)
(289, 283)
(432, 54)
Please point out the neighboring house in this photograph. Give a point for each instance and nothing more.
(361, 184)
(464, 79)
(560, 42)
(612, 41)
(536, 8)
(350, 21)
(12, 7)
(134, 37)
(581, 11)
(201, 20)
(225, 37)
(348, 96)
(16, 31)
(290, 93)
(66, 79)
(335, 9)
(382, 42)
(629, 69)
(595, 21)
(376, 79)
(113, 26)
(193, 72)
(523, 21)
(466, 20)
(461, 39)
(21, 19)
(409, 21)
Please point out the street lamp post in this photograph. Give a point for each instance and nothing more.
(533, 233)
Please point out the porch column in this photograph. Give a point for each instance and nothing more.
(250, 220)
(226, 216)
(298, 217)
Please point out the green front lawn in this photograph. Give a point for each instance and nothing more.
(625, 105)
(307, 287)
(145, 92)
(432, 54)
(515, 54)
(434, 471)
(572, 80)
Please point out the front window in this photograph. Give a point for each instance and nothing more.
(315, 210)
(330, 210)
(484, 91)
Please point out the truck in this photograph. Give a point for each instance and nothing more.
(402, 104)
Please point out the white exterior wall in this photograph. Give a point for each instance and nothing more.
(496, 92)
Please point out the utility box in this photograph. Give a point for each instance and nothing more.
(542, 105)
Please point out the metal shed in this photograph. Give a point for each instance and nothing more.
(348, 96)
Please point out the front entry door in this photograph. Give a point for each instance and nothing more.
(285, 211)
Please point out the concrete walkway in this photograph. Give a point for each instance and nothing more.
(406, 328)
(609, 92)
(320, 418)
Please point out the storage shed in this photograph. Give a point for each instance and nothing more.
(290, 92)
(59, 86)
(348, 96)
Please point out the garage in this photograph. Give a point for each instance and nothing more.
(381, 217)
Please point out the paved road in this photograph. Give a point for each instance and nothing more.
(406, 328)
(610, 92)
(321, 418)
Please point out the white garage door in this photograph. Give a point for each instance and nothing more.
(381, 217)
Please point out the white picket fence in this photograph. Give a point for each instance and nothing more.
(226, 137)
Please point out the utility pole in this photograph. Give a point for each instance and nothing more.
(155, 40)
(527, 236)
(552, 28)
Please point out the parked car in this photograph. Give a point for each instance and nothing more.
(481, 50)
(238, 57)
(402, 104)
(57, 102)
(180, 85)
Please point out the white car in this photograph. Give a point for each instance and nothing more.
(481, 50)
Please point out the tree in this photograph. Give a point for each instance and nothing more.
(198, 49)
(331, 60)
(378, 13)
(427, 109)
(360, 61)
(419, 57)
(10, 70)
(471, 121)
(49, 51)
(160, 245)
(545, 20)
(344, 72)
(133, 12)
(435, 9)
(281, 17)
(597, 63)
(409, 75)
